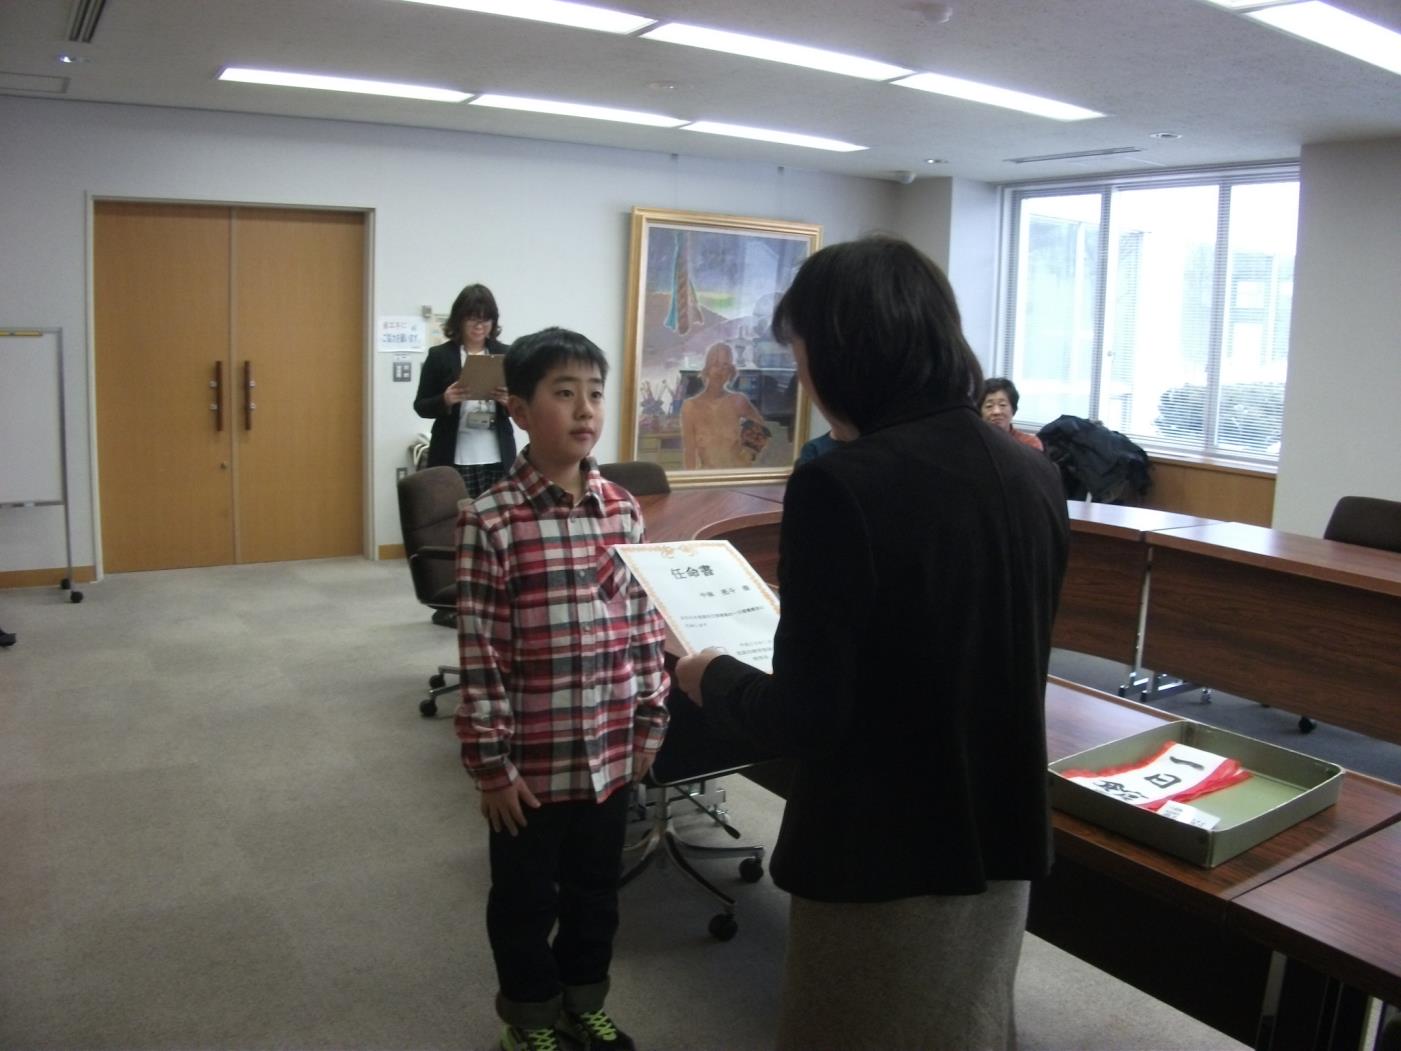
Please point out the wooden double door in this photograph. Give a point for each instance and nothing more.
(229, 349)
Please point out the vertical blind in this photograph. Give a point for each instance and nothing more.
(1158, 305)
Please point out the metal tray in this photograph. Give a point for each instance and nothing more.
(1286, 788)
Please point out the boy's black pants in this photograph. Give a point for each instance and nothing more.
(562, 867)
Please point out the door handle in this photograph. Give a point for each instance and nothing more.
(217, 405)
(248, 404)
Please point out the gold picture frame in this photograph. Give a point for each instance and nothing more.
(707, 391)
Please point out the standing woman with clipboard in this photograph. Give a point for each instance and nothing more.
(471, 428)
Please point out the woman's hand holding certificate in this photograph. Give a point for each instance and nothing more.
(690, 670)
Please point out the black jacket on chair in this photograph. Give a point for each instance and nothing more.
(440, 369)
(919, 571)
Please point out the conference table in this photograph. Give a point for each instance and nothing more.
(1311, 626)
(1212, 942)
(681, 513)
(772, 492)
(1177, 930)
(1106, 579)
(1340, 914)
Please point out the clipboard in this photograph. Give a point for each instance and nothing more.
(481, 374)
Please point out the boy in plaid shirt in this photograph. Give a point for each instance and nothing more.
(563, 696)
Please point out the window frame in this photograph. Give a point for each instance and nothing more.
(1224, 178)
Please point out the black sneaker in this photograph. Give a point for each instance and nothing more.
(445, 618)
(595, 1029)
(513, 1039)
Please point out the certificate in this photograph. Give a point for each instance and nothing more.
(709, 596)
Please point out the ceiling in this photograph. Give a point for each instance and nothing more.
(1234, 90)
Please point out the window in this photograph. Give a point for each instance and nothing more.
(1157, 304)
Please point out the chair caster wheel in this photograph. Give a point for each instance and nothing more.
(428, 708)
(75, 596)
(751, 870)
(723, 927)
(1306, 724)
(436, 682)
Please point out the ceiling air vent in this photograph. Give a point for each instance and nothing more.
(84, 23)
(32, 82)
(1076, 155)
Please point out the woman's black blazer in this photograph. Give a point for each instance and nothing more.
(919, 570)
(440, 369)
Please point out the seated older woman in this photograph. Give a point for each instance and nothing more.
(999, 405)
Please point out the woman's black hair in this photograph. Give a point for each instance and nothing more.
(532, 356)
(882, 331)
(472, 301)
(1001, 383)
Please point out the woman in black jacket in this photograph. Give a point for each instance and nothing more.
(920, 566)
(472, 434)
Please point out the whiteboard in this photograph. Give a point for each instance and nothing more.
(31, 416)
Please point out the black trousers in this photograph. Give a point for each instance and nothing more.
(562, 868)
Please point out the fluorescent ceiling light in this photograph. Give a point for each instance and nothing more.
(1324, 24)
(575, 109)
(958, 88)
(1236, 5)
(1076, 155)
(559, 12)
(285, 79)
(774, 51)
(788, 138)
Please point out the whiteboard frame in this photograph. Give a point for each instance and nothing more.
(57, 333)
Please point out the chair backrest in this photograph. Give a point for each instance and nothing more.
(1367, 521)
(639, 477)
(428, 502)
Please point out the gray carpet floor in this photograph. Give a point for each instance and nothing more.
(223, 824)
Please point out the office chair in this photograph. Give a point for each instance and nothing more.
(688, 758)
(639, 477)
(1367, 522)
(428, 502)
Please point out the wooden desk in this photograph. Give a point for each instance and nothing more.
(1163, 924)
(1101, 605)
(772, 492)
(1341, 914)
(1307, 625)
(753, 536)
(1078, 718)
(681, 513)
(1101, 601)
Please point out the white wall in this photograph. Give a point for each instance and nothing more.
(955, 223)
(975, 214)
(1344, 389)
(544, 224)
(923, 216)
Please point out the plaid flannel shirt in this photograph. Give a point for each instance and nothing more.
(560, 648)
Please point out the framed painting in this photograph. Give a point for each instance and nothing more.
(708, 392)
